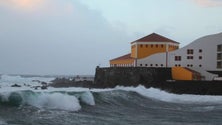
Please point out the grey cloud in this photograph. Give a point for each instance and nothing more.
(57, 42)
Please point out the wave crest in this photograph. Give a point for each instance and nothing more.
(48, 100)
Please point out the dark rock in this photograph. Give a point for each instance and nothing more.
(15, 85)
(63, 82)
(43, 87)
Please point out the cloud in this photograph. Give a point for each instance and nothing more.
(59, 37)
(25, 5)
(209, 3)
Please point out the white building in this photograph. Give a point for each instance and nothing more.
(204, 55)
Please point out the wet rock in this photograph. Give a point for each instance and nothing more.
(15, 85)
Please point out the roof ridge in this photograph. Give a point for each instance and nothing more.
(154, 37)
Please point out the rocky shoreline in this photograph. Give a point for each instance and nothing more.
(177, 87)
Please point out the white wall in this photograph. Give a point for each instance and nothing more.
(207, 44)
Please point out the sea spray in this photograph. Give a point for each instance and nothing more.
(42, 100)
(55, 101)
(87, 98)
(170, 97)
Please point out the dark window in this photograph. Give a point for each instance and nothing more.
(188, 65)
(146, 46)
(219, 65)
(176, 65)
(191, 65)
(200, 65)
(190, 51)
(156, 46)
(162, 46)
(151, 65)
(141, 46)
(219, 48)
(179, 65)
(161, 65)
(200, 57)
(189, 57)
(151, 45)
(200, 50)
(145, 64)
(219, 56)
(156, 64)
(141, 64)
(177, 58)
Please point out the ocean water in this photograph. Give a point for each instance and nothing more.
(117, 106)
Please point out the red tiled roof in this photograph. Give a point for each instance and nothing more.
(127, 56)
(155, 38)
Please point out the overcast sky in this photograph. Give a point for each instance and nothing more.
(74, 36)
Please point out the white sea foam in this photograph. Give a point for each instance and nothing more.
(87, 98)
(54, 101)
(45, 100)
(2, 122)
(175, 98)
(8, 80)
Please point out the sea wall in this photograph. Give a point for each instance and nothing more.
(131, 76)
(160, 78)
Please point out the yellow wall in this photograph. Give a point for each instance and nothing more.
(122, 61)
(147, 50)
(133, 51)
(144, 50)
(172, 48)
(180, 73)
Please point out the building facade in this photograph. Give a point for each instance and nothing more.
(201, 58)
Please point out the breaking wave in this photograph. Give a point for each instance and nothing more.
(47, 100)
(75, 100)
(174, 98)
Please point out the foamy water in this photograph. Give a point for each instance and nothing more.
(169, 97)
(121, 105)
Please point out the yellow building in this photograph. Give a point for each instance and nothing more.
(183, 73)
(144, 47)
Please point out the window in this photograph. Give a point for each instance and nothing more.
(156, 46)
(219, 48)
(177, 58)
(200, 65)
(189, 57)
(162, 46)
(200, 57)
(188, 65)
(145, 64)
(156, 64)
(141, 64)
(191, 65)
(179, 65)
(219, 56)
(190, 51)
(141, 46)
(146, 46)
(151, 45)
(151, 65)
(161, 65)
(176, 65)
(200, 50)
(219, 65)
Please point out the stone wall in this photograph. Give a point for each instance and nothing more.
(131, 76)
